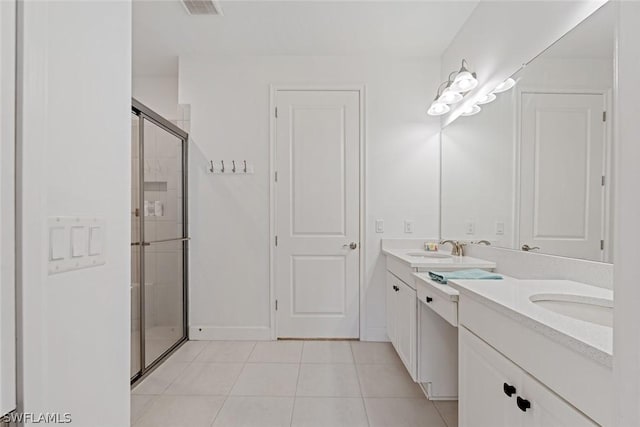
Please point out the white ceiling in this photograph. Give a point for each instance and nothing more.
(162, 30)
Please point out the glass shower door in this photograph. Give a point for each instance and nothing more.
(164, 238)
(136, 366)
(158, 239)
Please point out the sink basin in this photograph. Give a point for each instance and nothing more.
(425, 254)
(588, 309)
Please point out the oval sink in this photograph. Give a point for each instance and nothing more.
(588, 309)
(426, 254)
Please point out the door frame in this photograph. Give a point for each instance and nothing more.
(273, 91)
(607, 197)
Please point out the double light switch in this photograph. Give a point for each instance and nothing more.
(74, 243)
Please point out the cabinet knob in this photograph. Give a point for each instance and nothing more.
(509, 390)
(523, 404)
(429, 299)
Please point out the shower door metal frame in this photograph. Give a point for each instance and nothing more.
(145, 113)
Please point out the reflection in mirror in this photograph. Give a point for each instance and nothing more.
(531, 170)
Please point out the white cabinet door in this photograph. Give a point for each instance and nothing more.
(548, 409)
(406, 327)
(391, 295)
(485, 381)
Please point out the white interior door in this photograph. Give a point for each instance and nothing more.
(562, 165)
(317, 213)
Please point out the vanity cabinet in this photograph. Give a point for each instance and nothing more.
(401, 321)
(495, 392)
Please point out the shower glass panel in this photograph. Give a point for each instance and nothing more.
(159, 239)
(135, 247)
(163, 231)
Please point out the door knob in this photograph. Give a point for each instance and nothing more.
(528, 248)
(352, 245)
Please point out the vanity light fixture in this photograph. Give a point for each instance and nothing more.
(471, 110)
(438, 108)
(465, 80)
(490, 97)
(448, 95)
(453, 90)
(505, 86)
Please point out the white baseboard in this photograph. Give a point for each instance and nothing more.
(375, 334)
(230, 333)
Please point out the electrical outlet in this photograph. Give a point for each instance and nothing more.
(379, 226)
(408, 226)
(499, 228)
(470, 227)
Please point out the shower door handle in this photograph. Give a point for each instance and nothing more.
(177, 239)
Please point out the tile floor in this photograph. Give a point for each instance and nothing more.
(285, 383)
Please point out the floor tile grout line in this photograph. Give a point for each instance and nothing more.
(295, 394)
(364, 405)
(227, 396)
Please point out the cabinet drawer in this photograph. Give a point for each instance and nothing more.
(401, 271)
(446, 308)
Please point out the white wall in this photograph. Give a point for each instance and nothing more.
(7, 207)
(160, 93)
(229, 216)
(626, 339)
(500, 36)
(74, 160)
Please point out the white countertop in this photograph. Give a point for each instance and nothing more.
(511, 297)
(452, 262)
(445, 290)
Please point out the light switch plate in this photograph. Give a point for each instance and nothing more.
(58, 243)
(79, 241)
(69, 243)
(379, 226)
(95, 240)
(499, 228)
(408, 226)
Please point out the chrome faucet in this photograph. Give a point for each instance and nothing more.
(457, 248)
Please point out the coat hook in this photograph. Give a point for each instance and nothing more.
(233, 169)
(222, 170)
(245, 166)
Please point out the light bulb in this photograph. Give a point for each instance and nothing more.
(464, 82)
(450, 97)
(505, 86)
(438, 108)
(490, 97)
(471, 110)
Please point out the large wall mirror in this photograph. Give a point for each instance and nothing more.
(533, 170)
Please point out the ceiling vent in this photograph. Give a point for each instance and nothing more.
(202, 7)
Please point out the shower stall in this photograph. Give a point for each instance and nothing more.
(159, 239)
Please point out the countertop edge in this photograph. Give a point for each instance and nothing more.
(588, 350)
(428, 282)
